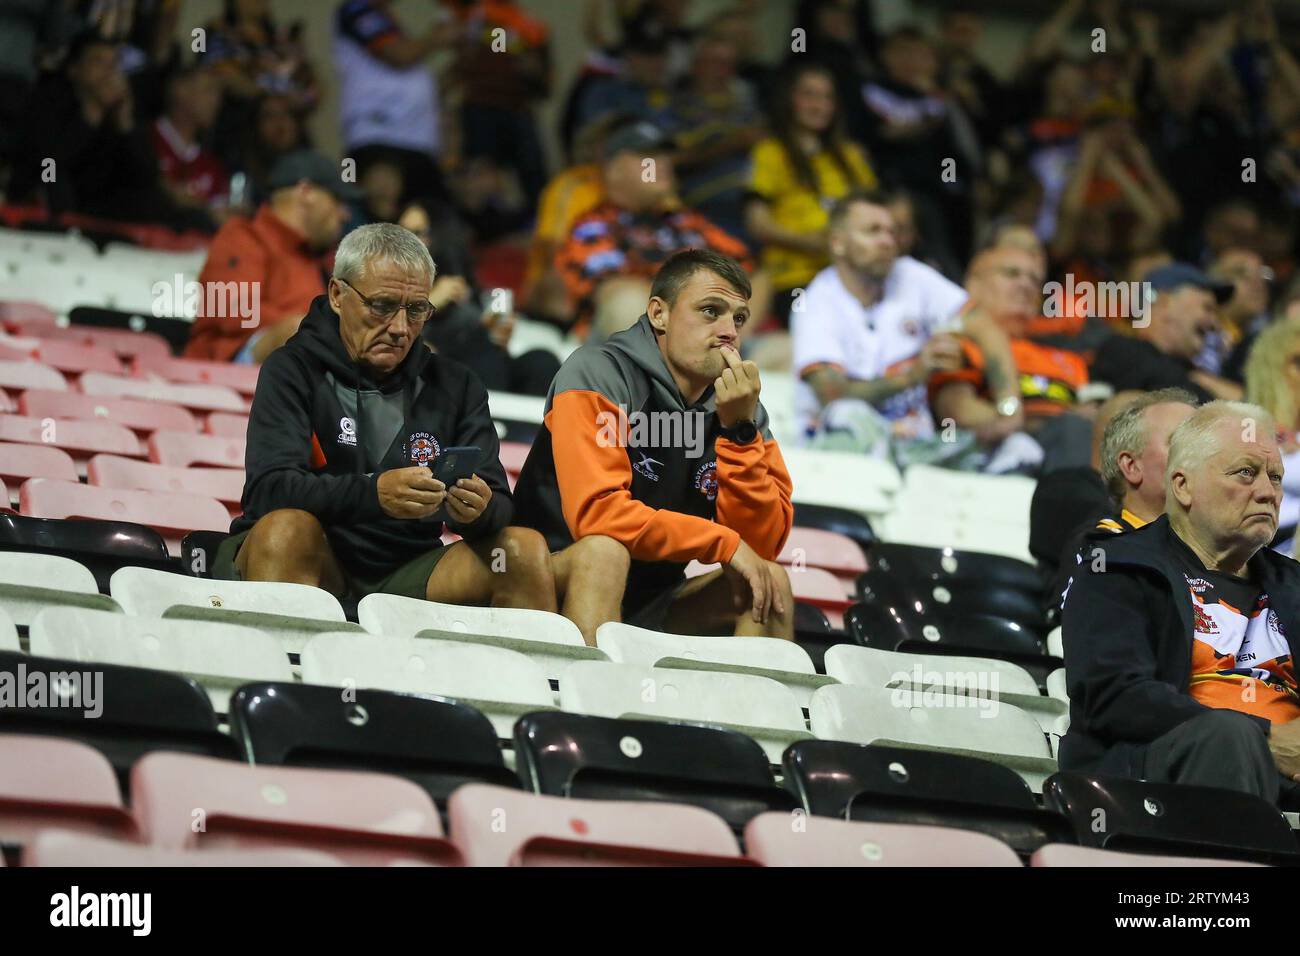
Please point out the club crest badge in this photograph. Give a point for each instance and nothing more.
(423, 448)
(347, 431)
(706, 480)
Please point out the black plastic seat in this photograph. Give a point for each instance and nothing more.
(840, 520)
(1172, 819)
(961, 596)
(102, 546)
(878, 784)
(175, 331)
(948, 566)
(895, 624)
(598, 758)
(199, 550)
(141, 710)
(435, 743)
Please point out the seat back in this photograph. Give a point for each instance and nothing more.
(47, 781)
(771, 840)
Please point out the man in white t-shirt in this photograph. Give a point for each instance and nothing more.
(869, 331)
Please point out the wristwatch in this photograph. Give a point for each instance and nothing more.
(1008, 406)
(742, 433)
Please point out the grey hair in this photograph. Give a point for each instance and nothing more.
(1194, 441)
(1127, 431)
(382, 242)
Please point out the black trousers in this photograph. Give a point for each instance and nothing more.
(1220, 749)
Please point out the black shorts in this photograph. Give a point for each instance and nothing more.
(648, 606)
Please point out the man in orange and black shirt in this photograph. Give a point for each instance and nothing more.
(654, 452)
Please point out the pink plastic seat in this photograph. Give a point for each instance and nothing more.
(172, 515)
(125, 343)
(241, 378)
(820, 587)
(513, 456)
(136, 415)
(20, 462)
(74, 357)
(81, 439)
(814, 547)
(778, 839)
(111, 471)
(53, 782)
(365, 819)
(18, 376)
(182, 450)
(14, 312)
(226, 425)
(204, 398)
(62, 848)
(1062, 854)
(555, 831)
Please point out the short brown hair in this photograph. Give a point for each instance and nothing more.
(1127, 432)
(680, 266)
(872, 197)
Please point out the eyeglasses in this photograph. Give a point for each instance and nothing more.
(383, 310)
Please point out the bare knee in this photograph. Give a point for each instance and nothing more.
(286, 533)
(523, 549)
(601, 553)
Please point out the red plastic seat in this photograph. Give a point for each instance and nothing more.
(182, 450)
(555, 831)
(14, 312)
(206, 398)
(776, 839)
(52, 782)
(226, 425)
(242, 378)
(74, 357)
(110, 471)
(123, 342)
(141, 417)
(18, 376)
(818, 586)
(61, 848)
(81, 439)
(20, 462)
(365, 819)
(172, 515)
(513, 455)
(814, 547)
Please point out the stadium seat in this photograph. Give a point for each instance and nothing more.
(19, 462)
(882, 784)
(782, 661)
(47, 782)
(129, 334)
(80, 439)
(774, 840)
(1056, 685)
(200, 398)
(226, 425)
(14, 311)
(172, 514)
(221, 657)
(182, 449)
(952, 568)
(520, 408)
(101, 546)
(18, 376)
(551, 640)
(975, 727)
(502, 684)
(436, 744)
(139, 711)
(1055, 646)
(31, 582)
(140, 417)
(757, 706)
(1063, 854)
(549, 831)
(840, 520)
(59, 848)
(898, 626)
(1171, 819)
(8, 633)
(513, 455)
(199, 550)
(821, 589)
(959, 598)
(363, 819)
(74, 358)
(858, 483)
(928, 673)
(598, 758)
(292, 613)
(241, 378)
(829, 550)
(110, 471)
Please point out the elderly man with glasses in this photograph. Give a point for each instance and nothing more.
(348, 422)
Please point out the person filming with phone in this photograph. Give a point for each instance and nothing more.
(362, 448)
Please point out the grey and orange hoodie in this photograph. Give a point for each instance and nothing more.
(321, 431)
(664, 505)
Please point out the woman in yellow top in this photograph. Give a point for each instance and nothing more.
(798, 173)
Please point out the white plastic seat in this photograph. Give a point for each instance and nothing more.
(1055, 646)
(553, 641)
(31, 582)
(220, 657)
(782, 661)
(516, 408)
(929, 674)
(292, 613)
(991, 730)
(840, 480)
(757, 706)
(502, 684)
(8, 633)
(1056, 685)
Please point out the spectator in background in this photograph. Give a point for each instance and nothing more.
(1273, 382)
(840, 38)
(962, 74)
(613, 251)
(642, 86)
(1167, 339)
(500, 81)
(803, 167)
(1243, 316)
(276, 131)
(1177, 647)
(32, 30)
(191, 173)
(280, 251)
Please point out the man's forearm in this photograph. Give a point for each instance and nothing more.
(833, 385)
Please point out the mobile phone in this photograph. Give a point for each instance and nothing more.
(457, 463)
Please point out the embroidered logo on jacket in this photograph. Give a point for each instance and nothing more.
(347, 431)
(706, 480)
(423, 448)
(646, 467)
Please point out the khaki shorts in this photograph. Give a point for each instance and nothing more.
(409, 580)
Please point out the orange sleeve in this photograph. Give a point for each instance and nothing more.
(595, 482)
(570, 261)
(972, 371)
(754, 491)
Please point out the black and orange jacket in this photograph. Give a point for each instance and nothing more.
(668, 501)
(1050, 378)
(316, 421)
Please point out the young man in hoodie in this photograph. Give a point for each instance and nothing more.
(654, 452)
(349, 418)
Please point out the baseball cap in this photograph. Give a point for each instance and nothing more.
(1177, 274)
(293, 168)
(643, 138)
